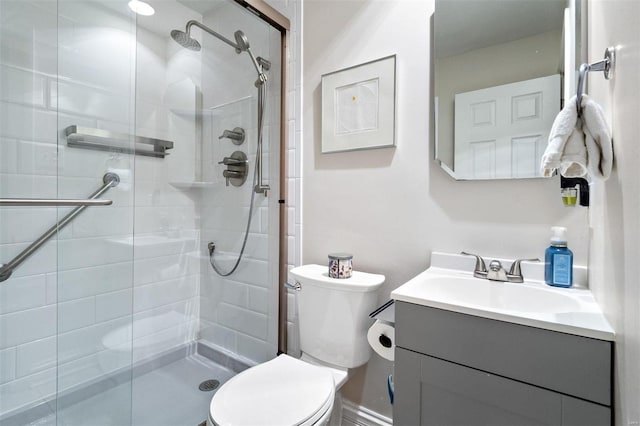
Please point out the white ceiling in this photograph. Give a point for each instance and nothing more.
(464, 25)
(171, 14)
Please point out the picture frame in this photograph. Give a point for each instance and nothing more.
(359, 106)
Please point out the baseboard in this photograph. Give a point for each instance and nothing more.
(356, 415)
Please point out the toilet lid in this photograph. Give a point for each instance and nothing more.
(283, 391)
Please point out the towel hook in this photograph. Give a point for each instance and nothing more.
(606, 65)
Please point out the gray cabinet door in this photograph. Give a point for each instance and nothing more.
(430, 391)
(407, 386)
(576, 412)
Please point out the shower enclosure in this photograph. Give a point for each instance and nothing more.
(137, 155)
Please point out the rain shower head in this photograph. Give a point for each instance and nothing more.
(185, 40)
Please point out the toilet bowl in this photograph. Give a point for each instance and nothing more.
(285, 391)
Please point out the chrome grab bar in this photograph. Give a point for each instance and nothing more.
(38, 202)
(110, 180)
(104, 140)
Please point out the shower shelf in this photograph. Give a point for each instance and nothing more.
(102, 140)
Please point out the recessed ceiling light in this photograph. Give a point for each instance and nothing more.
(141, 8)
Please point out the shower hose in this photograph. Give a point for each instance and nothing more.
(262, 88)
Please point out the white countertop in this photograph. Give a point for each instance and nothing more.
(532, 303)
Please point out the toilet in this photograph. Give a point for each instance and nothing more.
(333, 316)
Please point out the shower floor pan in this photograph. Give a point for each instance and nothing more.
(162, 394)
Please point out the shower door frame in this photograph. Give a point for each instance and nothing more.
(281, 23)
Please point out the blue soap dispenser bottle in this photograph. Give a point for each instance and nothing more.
(558, 260)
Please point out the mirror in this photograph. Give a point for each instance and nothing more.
(498, 78)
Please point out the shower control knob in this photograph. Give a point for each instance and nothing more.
(236, 170)
(232, 174)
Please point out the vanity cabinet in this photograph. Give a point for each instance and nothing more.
(458, 369)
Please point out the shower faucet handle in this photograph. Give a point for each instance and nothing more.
(230, 161)
(236, 135)
(237, 166)
(232, 174)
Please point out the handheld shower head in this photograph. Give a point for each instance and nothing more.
(185, 40)
(243, 44)
(241, 40)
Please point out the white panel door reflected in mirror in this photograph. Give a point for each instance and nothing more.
(502, 131)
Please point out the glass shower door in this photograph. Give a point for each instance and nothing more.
(95, 95)
(28, 169)
(65, 312)
(119, 317)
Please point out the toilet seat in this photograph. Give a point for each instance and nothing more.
(283, 391)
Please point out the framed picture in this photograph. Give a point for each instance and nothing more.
(359, 106)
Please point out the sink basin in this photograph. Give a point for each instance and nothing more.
(487, 294)
(532, 303)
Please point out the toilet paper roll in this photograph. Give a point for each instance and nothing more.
(382, 338)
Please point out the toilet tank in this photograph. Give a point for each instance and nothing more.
(333, 314)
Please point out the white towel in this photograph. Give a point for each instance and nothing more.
(578, 147)
(573, 162)
(597, 139)
(566, 149)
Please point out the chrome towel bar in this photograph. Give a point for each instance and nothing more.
(110, 180)
(38, 202)
(606, 66)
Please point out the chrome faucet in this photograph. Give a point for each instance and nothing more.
(236, 135)
(496, 272)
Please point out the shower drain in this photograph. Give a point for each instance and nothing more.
(209, 385)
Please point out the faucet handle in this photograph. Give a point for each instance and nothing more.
(480, 265)
(230, 161)
(515, 266)
(236, 135)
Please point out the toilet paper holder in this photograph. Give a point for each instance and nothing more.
(381, 335)
(386, 312)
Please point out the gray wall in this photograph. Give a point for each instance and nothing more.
(615, 211)
(392, 207)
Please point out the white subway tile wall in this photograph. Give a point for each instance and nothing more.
(66, 314)
(239, 312)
